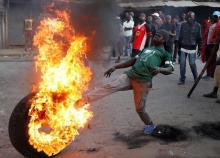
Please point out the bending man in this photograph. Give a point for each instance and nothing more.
(145, 66)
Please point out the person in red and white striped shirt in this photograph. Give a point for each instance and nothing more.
(141, 35)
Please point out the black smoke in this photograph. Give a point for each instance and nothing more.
(97, 20)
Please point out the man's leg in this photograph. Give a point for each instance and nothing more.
(170, 48)
(118, 50)
(141, 90)
(29, 40)
(127, 46)
(212, 64)
(192, 64)
(179, 53)
(182, 67)
(213, 94)
(130, 46)
(208, 52)
(120, 84)
(176, 49)
(217, 79)
(26, 41)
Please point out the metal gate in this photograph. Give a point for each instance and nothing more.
(3, 24)
(1, 29)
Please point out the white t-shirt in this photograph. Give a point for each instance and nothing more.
(128, 24)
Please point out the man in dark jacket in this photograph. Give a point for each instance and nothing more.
(171, 29)
(189, 38)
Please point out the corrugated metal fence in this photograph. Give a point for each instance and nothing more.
(3, 25)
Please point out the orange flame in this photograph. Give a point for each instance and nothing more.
(54, 122)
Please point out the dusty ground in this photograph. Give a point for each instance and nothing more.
(116, 129)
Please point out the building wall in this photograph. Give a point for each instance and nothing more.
(16, 15)
(1, 9)
(2, 25)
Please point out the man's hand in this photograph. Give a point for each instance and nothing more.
(109, 72)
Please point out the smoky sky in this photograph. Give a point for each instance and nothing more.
(96, 19)
(99, 17)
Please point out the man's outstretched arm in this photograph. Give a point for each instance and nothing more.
(166, 71)
(162, 70)
(120, 66)
(168, 68)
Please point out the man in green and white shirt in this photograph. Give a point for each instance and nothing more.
(148, 60)
(144, 67)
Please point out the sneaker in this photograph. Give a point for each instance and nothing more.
(210, 95)
(148, 129)
(218, 101)
(181, 83)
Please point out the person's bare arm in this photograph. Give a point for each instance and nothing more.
(164, 71)
(120, 66)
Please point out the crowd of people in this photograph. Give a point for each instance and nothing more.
(154, 43)
(187, 39)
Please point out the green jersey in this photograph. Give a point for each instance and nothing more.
(149, 58)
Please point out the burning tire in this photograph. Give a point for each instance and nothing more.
(18, 129)
(50, 122)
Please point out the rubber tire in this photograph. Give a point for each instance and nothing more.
(18, 129)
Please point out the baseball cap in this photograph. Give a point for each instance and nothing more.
(156, 14)
(217, 13)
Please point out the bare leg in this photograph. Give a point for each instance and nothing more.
(141, 90)
(122, 83)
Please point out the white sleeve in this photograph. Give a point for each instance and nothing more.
(132, 24)
(123, 25)
(136, 57)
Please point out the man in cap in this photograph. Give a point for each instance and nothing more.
(144, 67)
(171, 28)
(156, 23)
(212, 44)
(215, 39)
